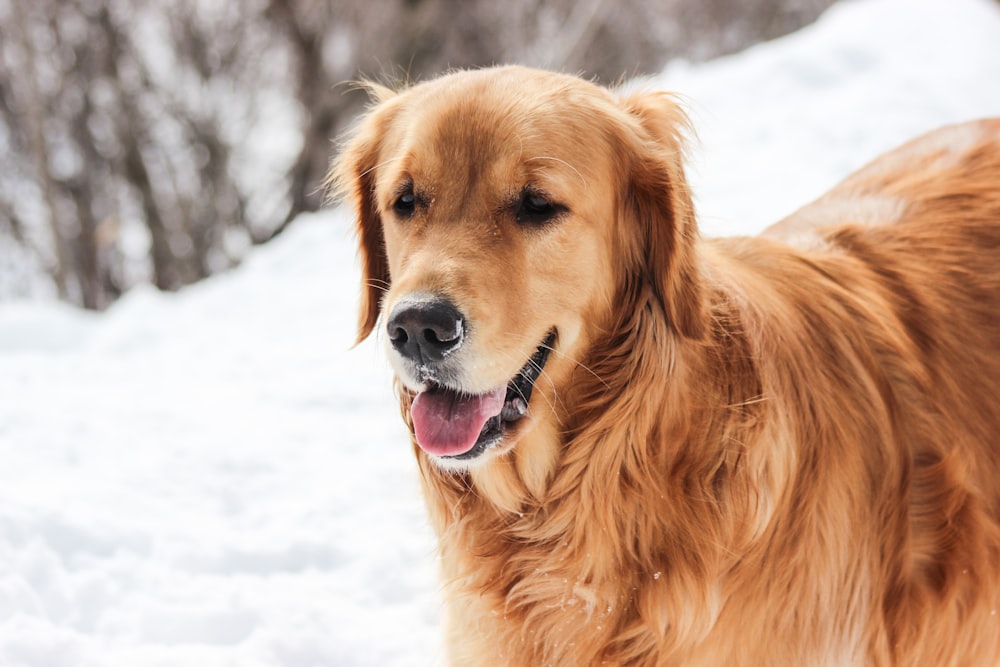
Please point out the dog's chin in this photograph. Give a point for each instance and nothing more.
(451, 464)
(459, 431)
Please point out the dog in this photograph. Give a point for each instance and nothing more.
(642, 447)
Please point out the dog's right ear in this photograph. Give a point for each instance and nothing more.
(660, 199)
(352, 181)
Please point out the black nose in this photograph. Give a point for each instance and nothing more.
(425, 330)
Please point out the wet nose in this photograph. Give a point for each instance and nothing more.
(425, 329)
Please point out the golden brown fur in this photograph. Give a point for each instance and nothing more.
(782, 450)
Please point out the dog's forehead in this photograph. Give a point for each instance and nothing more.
(502, 119)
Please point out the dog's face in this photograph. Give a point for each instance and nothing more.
(503, 215)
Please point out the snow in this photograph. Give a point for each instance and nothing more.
(210, 478)
(783, 121)
(218, 478)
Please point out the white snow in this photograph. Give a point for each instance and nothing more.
(216, 478)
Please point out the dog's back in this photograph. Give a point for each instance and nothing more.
(924, 221)
(909, 249)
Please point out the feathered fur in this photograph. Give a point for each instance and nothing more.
(782, 450)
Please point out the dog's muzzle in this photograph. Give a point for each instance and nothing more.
(425, 330)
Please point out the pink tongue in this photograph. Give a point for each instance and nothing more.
(448, 424)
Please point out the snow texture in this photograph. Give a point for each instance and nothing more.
(218, 478)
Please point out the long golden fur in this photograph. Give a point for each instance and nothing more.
(781, 450)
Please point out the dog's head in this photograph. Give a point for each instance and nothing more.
(506, 219)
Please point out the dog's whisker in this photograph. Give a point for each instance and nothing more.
(576, 362)
(579, 364)
(561, 161)
(556, 399)
(760, 398)
(377, 166)
(582, 366)
(381, 285)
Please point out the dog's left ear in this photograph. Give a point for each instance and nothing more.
(352, 179)
(660, 199)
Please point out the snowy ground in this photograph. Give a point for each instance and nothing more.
(215, 478)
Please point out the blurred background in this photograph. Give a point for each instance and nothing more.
(157, 142)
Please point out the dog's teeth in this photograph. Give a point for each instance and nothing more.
(514, 409)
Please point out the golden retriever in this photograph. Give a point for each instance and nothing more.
(641, 447)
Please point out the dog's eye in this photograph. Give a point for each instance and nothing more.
(405, 203)
(536, 209)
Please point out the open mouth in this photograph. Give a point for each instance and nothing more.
(461, 427)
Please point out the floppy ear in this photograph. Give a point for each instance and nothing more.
(352, 180)
(659, 198)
